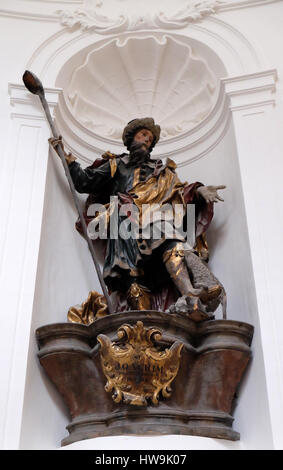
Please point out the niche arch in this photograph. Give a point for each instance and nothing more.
(227, 51)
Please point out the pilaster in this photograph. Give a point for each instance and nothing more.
(22, 200)
(257, 116)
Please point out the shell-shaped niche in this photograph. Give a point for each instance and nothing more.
(138, 77)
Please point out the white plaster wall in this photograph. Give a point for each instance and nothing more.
(227, 236)
(24, 150)
(230, 260)
(262, 27)
(65, 276)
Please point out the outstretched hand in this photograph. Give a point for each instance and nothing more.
(55, 143)
(209, 193)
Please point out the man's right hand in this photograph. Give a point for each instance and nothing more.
(55, 143)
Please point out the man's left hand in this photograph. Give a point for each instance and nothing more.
(209, 193)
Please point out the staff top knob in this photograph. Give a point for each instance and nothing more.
(32, 83)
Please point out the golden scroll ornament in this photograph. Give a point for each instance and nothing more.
(137, 370)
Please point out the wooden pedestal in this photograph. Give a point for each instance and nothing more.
(213, 360)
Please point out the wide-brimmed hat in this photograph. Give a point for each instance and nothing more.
(135, 125)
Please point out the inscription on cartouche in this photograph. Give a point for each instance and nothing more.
(137, 371)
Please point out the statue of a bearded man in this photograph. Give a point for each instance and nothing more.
(164, 272)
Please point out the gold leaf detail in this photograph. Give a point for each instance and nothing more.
(137, 371)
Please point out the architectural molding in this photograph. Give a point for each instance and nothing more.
(238, 5)
(257, 126)
(252, 92)
(95, 20)
(25, 168)
(218, 38)
(91, 17)
(233, 52)
(30, 16)
(25, 105)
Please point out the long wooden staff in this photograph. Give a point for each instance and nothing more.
(34, 85)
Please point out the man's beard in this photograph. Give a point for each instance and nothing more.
(138, 153)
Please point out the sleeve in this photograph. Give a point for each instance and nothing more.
(90, 180)
(203, 210)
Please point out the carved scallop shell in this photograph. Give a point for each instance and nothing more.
(137, 77)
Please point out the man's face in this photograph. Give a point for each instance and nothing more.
(145, 137)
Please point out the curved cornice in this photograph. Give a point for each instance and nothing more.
(236, 51)
(97, 20)
(46, 11)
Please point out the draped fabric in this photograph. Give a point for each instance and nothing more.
(150, 183)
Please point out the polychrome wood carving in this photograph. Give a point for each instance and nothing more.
(158, 275)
